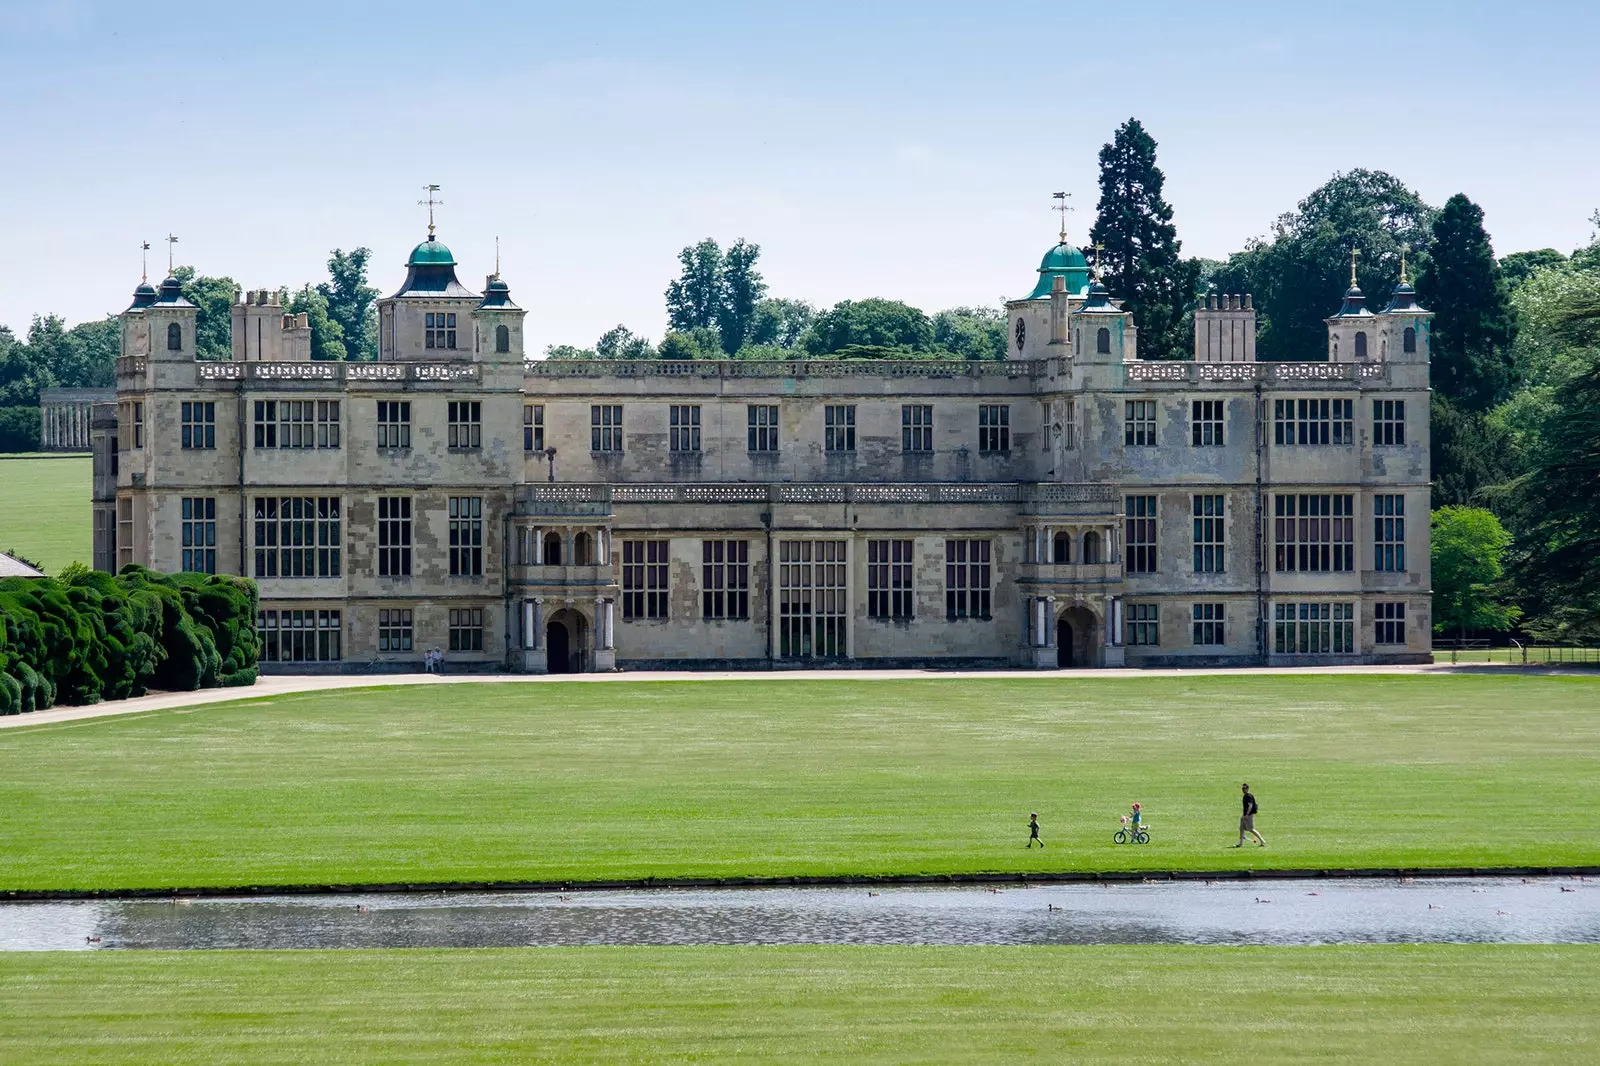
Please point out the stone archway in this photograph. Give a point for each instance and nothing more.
(1077, 638)
(566, 642)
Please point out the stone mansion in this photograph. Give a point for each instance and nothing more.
(1072, 505)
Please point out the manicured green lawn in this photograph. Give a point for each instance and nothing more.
(45, 514)
(1435, 1004)
(826, 776)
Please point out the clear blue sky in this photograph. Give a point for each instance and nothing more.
(905, 150)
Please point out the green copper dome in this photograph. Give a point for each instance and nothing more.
(431, 252)
(1065, 261)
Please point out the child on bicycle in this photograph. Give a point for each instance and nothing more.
(1134, 818)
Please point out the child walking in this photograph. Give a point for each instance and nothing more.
(1033, 830)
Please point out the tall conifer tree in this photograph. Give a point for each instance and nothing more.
(1472, 325)
(1140, 257)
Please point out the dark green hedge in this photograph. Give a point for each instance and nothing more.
(88, 636)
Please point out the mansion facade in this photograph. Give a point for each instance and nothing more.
(1072, 505)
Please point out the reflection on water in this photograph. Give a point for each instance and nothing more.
(1550, 910)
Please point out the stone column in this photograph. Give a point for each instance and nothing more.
(1050, 622)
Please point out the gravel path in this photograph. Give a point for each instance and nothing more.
(284, 684)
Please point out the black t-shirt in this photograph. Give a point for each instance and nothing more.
(1249, 804)
(1033, 828)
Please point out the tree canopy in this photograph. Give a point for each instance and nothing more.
(1298, 274)
(352, 302)
(887, 325)
(1468, 544)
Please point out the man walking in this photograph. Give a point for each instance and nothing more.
(1247, 820)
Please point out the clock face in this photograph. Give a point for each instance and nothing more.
(1022, 333)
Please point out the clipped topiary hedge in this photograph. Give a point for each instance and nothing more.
(87, 636)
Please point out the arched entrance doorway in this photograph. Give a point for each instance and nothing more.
(1076, 643)
(565, 638)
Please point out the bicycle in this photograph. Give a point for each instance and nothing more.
(1130, 834)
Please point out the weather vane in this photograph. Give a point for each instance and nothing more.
(172, 244)
(1099, 251)
(1353, 253)
(1063, 207)
(1404, 248)
(432, 203)
(497, 257)
(144, 262)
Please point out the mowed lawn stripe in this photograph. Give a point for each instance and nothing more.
(1400, 1004)
(844, 776)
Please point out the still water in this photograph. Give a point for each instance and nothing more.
(1510, 910)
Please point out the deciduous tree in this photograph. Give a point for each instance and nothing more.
(352, 302)
(1468, 576)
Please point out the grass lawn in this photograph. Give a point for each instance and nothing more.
(825, 776)
(1442, 1003)
(45, 513)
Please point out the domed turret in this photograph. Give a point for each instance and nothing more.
(431, 271)
(1066, 262)
(143, 296)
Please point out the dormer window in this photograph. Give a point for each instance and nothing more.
(1361, 345)
(174, 338)
(439, 330)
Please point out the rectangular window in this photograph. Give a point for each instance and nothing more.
(840, 431)
(725, 578)
(394, 536)
(327, 423)
(439, 330)
(1205, 423)
(296, 424)
(1208, 624)
(200, 534)
(533, 427)
(466, 536)
(1209, 557)
(762, 427)
(968, 579)
(1313, 628)
(199, 425)
(813, 612)
(1139, 423)
(889, 592)
(1144, 624)
(266, 423)
(644, 579)
(685, 427)
(466, 629)
(1388, 423)
(124, 531)
(994, 428)
(300, 636)
(1389, 533)
(394, 423)
(394, 629)
(1389, 623)
(1313, 421)
(138, 424)
(465, 425)
(1139, 529)
(916, 427)
(1314, 532)
(297, 536)
(605, 428)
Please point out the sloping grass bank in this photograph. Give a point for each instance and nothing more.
(829, 777)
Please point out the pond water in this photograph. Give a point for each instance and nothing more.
(1359, 911)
